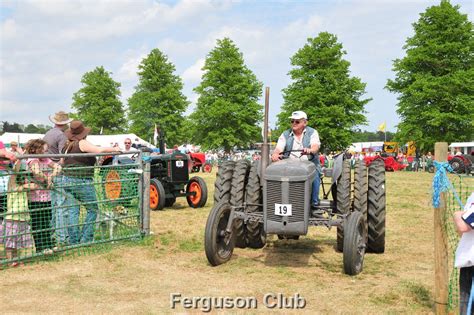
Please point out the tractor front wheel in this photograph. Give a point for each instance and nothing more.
(355, 234)
(207, 168)
(218, 245)
(157, 195)
(196, 192)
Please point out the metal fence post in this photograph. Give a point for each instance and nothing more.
(441, 242)
(145, 194)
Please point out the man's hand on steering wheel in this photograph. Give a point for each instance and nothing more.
(276, 156)
(306, 151)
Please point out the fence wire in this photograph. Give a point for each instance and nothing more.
(48, 211)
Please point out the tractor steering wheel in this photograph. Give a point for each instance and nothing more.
(290, 153)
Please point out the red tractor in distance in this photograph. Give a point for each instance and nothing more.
(198, 161)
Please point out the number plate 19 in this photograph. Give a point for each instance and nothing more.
(283, 210)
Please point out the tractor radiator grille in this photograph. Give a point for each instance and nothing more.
(295, 198)
(179, 174)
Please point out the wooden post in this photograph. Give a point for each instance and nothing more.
(144, 186)
(441, 242)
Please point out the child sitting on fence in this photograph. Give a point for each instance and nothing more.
(464, 221)
(15, 232)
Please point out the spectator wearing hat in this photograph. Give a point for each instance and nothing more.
(304, 138)
(55, 137)
(56, 140)
(78, 183)
(15, 148)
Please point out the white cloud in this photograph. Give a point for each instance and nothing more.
(194, 73)
(46, 46)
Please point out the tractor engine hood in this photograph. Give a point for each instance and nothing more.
(290, 170)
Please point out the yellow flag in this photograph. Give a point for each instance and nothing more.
(382, 127)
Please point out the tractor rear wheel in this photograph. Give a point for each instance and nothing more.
(457, 164)
(223, 183)
(376, 207)
(196, 192)
(112, 183)
(355, 235)
(218, 246)
(256, 237)
(360, 189)
(157, 195)
(237, 198)
(343, 200)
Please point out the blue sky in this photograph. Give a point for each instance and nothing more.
(46, 46)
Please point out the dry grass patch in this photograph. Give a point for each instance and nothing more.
(138, 278)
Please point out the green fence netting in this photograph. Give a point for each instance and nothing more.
(47, 211)
(463, 186)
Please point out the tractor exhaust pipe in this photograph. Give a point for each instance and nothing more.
(266, 145)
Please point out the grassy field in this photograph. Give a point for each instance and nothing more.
(139, 278)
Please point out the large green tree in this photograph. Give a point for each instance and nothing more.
(98, 103)
(158, 99)
(435, 80)
(323, 87)
(227, 112)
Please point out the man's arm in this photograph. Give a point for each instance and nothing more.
(276, 155)
(315, 144)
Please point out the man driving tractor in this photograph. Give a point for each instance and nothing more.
(304, 140)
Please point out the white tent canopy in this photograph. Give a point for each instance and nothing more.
(466, 147)
(99, 140)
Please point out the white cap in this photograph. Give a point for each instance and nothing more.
(298, 115)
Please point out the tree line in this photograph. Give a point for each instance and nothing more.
(434, 82)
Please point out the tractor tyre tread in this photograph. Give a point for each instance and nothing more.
(255, 237)
(376, 207)
(343, 200)
(223, 183)
(237, 198)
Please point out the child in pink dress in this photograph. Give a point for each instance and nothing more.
(15, 232)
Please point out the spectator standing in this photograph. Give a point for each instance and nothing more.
(55, 137)
(464, 221)
(56, 140)
(78, 183)
(15, 148)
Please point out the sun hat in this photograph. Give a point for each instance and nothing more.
(60, 118)
(77, 131)
(298, 115)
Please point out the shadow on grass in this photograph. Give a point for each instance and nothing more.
(293, 253)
